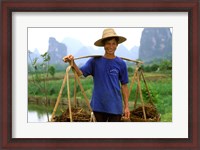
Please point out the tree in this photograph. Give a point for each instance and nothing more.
(165, 65)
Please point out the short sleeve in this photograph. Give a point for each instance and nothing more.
(123, 76)
(87, 68)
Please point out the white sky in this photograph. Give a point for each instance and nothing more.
(38, 37)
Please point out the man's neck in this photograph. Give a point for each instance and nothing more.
(109, 56)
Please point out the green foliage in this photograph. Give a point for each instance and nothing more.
(167, 117)
(130, 70)
(51, 70)
(34, 61)
(154, 67)
(52, 91)
(46, 57)
(149, 95)
(158, 65)
(147, 68)
(162, 96)
(166, 65)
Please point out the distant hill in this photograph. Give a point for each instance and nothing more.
(155, 43)
(134, 52)
(56, 51)
(84, 51)
(33, 55)
(73, 45)
(122, 51)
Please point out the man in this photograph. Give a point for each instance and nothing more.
(110, 78)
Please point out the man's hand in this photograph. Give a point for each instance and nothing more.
(127, 113)
(125, 98)
(68, 58)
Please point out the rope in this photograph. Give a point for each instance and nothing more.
(68, 93)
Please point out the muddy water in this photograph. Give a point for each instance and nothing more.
(34, 116)
(37, 113)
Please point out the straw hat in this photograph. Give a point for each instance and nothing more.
(107, 33)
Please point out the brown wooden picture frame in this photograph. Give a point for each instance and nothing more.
(9, 6)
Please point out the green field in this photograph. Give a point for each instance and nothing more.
(159, 85)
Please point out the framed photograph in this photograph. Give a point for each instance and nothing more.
(22, 20)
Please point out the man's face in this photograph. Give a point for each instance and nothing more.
(110, 46)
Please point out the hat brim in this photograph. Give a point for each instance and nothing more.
(100, 43)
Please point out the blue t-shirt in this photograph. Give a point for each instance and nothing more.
(107, 76)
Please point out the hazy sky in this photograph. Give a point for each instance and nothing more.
(38, 37)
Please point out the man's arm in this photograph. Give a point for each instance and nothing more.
(125, 99)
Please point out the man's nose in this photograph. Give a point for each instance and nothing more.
(111, 46)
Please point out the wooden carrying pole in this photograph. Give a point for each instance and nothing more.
(135, 61)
